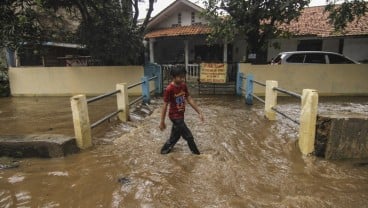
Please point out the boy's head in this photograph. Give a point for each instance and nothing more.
(178, 74)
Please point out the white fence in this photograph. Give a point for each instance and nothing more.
(193, 71)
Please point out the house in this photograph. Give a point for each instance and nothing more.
(177, 35)
(50, 54)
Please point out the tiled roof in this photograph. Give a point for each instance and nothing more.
(179, 31)
(312, 22)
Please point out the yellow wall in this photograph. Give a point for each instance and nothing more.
(66, 81)
(328, 79)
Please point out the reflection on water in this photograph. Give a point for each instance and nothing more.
(247, 161)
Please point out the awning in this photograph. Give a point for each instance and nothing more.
(179, 31)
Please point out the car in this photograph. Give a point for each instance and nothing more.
(311, 57)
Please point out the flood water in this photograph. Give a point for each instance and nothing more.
(246, 161)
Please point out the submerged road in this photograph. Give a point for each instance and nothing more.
(246, 161)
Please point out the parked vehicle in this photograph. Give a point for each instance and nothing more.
(311, 57)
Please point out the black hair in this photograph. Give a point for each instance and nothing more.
(178, 71)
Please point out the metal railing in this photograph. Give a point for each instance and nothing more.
(292, 94)
(79, 104)
(100, 97)
(309, 106)
(249, 100)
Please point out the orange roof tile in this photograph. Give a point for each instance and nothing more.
(179, 31)
(314, 22)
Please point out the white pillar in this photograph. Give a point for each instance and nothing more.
(17, 59)
(186, 52)
(308, 119)
(82, 128)
(225, 51)
(123, 102)
(151, 50)
(270, 99)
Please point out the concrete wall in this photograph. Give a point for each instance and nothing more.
(285, 45)
(331, 45)
(329, 80)
(356, 48)
(66, 81)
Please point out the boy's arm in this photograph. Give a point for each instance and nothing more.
(163, 116)
(195, 107)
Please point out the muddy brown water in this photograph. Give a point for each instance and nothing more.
(246, 161)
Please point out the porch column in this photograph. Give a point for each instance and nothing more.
(186, 52)
(10, 57)
(17, 59)
(225, 51)
(151, 50)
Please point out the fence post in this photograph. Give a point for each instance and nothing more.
(82, 127)
(249, 90)
(145, 90)
(270, 99)
(239, 83)
(123, 102)
(308, 119)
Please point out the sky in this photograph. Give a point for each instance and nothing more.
(162, 4)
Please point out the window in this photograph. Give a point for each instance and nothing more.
(296, 58)
(336, 59)
(179, 18)
(315, 58)
(276, 60)
(193, 17)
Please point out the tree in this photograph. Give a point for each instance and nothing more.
(109, 29)
(21, 23)
(255, 21)
(341, 12)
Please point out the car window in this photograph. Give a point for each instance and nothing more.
(315, 58)
(336, 59)
(296, 58)
(277, 59)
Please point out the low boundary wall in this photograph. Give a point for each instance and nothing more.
(67, 81)
(327, 79)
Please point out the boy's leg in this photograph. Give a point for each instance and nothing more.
(187, 135)
(174, 138)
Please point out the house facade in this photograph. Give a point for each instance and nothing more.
(178, 34)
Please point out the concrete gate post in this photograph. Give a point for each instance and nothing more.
(82, 127)
(270, 99)
(123, 102)
(308, 119)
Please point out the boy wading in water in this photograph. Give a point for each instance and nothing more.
(176, 94)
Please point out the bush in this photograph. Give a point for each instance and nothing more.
(4, 82)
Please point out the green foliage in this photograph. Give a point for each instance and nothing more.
(252, 20)
(19, 23)
(108, 28)
(4, 79)
(4, 82)
(341, 14)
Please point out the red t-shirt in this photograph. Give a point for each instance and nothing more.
(176, 96)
